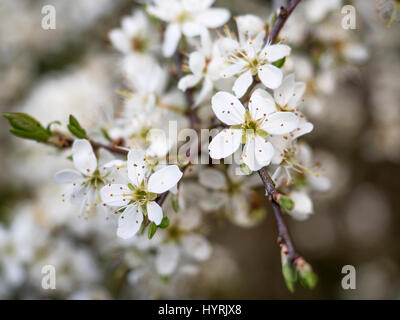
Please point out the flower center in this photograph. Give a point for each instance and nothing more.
(138, 44)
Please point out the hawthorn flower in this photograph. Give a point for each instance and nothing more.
(298, 168)
(136, 198)
(289, 94)
(136, 34)
(251, 127)
(87, 179)
(206, 65)
(189, 17)
(248, 57)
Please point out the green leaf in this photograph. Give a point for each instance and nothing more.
(24, 126)
(164, 223)
(152, 230)
(37, 136)
(75, 128)
(279, 63)
(105, 134)
(22, 121)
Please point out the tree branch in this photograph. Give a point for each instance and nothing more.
(281, 20)
(284, 238)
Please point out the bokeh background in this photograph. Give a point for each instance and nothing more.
(353, 78)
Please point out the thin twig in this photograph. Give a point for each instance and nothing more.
(280, 21)
(284, 237)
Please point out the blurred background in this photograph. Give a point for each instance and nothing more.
(352, 98)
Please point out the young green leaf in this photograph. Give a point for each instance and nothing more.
(279, 63)
(152, 230)
(75, 128)
(164, 223)
(24, 126)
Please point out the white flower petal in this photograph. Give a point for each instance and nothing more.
(261, 104)
(192, 29)
(225, 143)
(275, 52)
(249, 26)
(257, 153)
(167, 259)
(233, 69)
(270, 76)
(227, 45)
(115, 195)
(154, 212)
(120, 41)
(280, 123)
(213, 18)
(242, 84)
(129, 222)
(114, 163)
(136, 166)
(83, 156)
(68, 176)
(164, 179)
(299, 89)
(197, 62)
(212, 178)
(228, 108)
(264, 151)
(171, 39)
(78, 194)
(205, 91)
(320, 183)
(188, 81)
(302, 129)
(197, 247)
(285, 91)
(302, 205)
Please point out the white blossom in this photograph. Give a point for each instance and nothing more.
(251, 127)
(137, 197)
(188, 17)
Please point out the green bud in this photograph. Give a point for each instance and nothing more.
(290, 275)
(308, 278)
(164, 223)
(286, 203)
(75, 128)
(152, 230)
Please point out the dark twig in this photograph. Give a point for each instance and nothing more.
(284, 236)
(281, 19)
